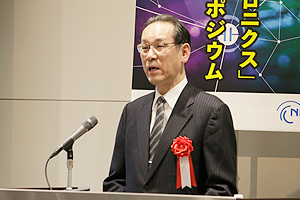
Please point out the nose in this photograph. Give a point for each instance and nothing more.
(151, 54)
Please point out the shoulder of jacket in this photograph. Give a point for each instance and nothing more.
(141, 100)
(202, 96)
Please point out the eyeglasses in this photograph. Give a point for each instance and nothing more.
(159, 47)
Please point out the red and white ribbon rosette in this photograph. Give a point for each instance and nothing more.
(182, 148)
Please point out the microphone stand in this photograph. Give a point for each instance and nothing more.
(67, 146)
(69, 166)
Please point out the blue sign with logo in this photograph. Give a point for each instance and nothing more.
(289, 111)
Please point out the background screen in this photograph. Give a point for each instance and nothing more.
(277, 46)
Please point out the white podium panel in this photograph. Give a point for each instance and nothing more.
(24, 194)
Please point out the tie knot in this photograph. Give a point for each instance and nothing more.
(161, 99)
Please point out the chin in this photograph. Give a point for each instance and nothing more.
(157, 80)
(153, 81)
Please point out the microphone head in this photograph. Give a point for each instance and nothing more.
(90, 122)
(87, 125)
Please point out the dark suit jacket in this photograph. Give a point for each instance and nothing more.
(202, 117)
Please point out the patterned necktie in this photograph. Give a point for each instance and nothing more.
(157, 128)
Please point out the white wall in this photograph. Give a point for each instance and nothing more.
(61, 62)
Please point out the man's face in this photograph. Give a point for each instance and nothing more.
(163, 69)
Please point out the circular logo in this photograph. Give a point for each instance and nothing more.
(289, 110)
(230, 36)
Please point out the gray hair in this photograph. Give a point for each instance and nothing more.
(181, 33)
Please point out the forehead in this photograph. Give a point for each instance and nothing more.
(158, 31)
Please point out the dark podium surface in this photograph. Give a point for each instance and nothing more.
(26, 194)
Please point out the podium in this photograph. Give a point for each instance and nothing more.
(29, 194)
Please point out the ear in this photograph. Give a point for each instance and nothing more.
(185, 51)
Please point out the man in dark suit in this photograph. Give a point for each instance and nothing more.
(188, 112)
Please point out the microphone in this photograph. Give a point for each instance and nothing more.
(87, 125)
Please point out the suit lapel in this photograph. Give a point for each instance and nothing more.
(179, 117)
(143, 127)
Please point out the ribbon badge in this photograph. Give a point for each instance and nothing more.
(182, 148)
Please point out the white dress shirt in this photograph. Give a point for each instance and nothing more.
(171, 98)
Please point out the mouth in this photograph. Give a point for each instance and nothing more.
(153, 68)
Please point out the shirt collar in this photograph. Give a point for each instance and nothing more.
(172, 95)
